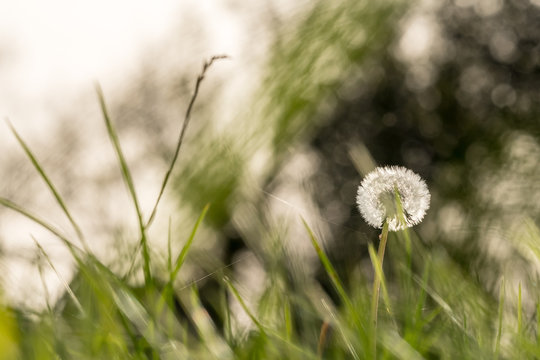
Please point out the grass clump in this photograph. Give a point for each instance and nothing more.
(432, 309)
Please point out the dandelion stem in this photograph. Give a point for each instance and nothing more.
(377, 288)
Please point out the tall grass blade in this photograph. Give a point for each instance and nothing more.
(538, 323)
(49, 183)
(519, 312)
(11, 205)
(187, 117)
(500, 321)
(206, 328)
(183, 253)
(440, 302)
(64, 282)
(227, 325)
(126, 174)
(169, 251)
(288, 317)
(399, 347)
(242, 303)
(341, 327)
(336, 282)
(422, 296)
(168, 290)
(133, 310)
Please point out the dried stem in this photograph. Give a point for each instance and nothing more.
(187, 117)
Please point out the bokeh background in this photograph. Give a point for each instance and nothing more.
(313, 96)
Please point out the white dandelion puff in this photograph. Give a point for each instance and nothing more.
(377, 200)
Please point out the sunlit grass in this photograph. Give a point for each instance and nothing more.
(432, 309)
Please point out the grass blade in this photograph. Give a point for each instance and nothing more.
(236, 294)
(169, 251)
(126, 174)
(421, 297)
(341, 327)
(288, 318)
(173, 272)
(336, 282)
(64, 282)
(49, 183)
(206, 327)
(519, 312)
(537, 323)
(500, 321)
(183, 253)
(11, 205)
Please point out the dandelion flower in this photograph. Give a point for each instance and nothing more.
(377, 200)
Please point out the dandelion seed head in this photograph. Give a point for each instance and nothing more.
(376, 198)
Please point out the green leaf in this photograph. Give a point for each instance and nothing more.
(126, 174)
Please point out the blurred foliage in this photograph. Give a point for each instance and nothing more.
(463, 114)
(439, 313)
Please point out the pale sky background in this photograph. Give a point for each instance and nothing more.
(51, 52)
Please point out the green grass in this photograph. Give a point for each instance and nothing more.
(433, 309)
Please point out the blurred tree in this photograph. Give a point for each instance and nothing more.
(450, 92)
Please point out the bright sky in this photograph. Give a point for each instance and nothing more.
(50, 51)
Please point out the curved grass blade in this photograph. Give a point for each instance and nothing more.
(500, 320)
(268, 332)
(206, 328)
(49, 183)
(169, 251)
(64, 282)
(243, 304)
(71, 246)
(126, 174)
(330, 270)
(183, 253)
(167, 291)
(341, 327)
(519, 312)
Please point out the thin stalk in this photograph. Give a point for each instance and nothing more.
(331, 271)
(377, 288)
(341, 327)
(175, 268)
(49, 184)
(236, 294)
(520, 312)
(500, 321)
(538, 322)
(60, 277)
(187, 117)
(323, 338)
(73, 249)
(183, 253)
(288, 319)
